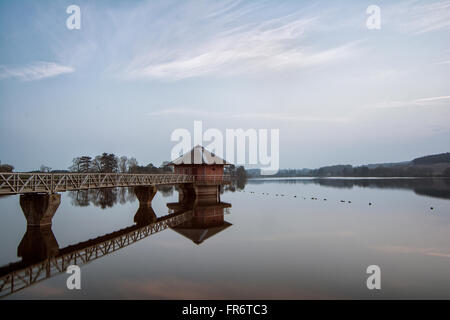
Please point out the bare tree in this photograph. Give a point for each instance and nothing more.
(123, 164)
(132, 163)
(75, 167)
(45, 168)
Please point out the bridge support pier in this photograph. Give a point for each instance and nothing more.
(191, 192)
(145, 213)
(38, 243)
(186, 193)
(211, 192)
(39, 209)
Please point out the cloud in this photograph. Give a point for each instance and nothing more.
(423, 102)
(252, 115)
(419, 17)
(271, 44)
(35, 71)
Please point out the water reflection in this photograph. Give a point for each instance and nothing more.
(207, 217)
(41, 258)
(432, 187)
(277, 247)
(108, 197)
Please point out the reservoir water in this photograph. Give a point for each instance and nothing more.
(280, 239)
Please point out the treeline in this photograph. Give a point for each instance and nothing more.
(361, 171)
(364, 171)
(110, 163)
(6, 167)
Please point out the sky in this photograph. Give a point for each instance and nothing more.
(339, 92)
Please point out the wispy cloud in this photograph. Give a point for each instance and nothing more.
(419, 17)
(253, 115)
(35, 71)
(423, 102)
(270, 44)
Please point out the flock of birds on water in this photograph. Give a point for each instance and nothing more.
(312, 198)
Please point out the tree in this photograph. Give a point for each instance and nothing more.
(81, 164)
(132, 164)
(123, 164)
(75, 167)
(446, 172)
(6, 168)
(106, 163)
(85, 164)
(45, 168)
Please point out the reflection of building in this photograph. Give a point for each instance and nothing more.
(207, 217)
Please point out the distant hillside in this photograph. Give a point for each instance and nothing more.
(433, 159)
(437, 165)
(389, 164)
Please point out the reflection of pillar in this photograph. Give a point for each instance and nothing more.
(39, 209)
(38, 243)
(186, 192)
(145, 213)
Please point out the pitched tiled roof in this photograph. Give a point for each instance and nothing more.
(199, 155)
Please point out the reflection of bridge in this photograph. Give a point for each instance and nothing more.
(19, 275)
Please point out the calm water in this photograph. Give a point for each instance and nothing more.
(270, 247)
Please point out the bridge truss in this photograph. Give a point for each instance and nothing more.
(19, 183)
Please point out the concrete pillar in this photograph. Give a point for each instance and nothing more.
(38, 244)
(186, 192)
(39, 209)
(207, 191)
(145, 213)
(145, 195)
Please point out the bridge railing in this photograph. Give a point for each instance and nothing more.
(17, 183)
(213, 179)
